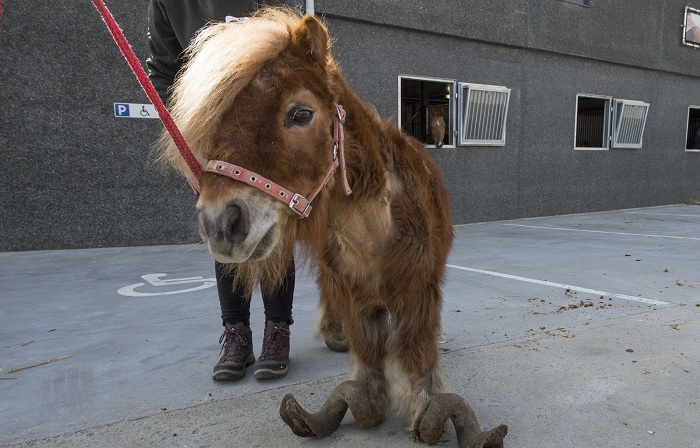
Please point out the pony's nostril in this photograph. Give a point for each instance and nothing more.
(207, 227)
(235, 222)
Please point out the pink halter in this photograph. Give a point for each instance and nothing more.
(301, 205)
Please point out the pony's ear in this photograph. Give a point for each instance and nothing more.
(311, 37)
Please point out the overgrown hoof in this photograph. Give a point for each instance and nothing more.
(431, 422)
(334, 338)
(494, 438)
(295, 416)
(366, 410)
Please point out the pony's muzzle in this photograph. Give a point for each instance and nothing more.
(231, 225)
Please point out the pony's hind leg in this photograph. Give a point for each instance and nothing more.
(415, 353)
(329, 322)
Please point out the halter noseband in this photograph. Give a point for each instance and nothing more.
(300, 204)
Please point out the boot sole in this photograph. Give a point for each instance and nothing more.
(233, 375)
(262, 373)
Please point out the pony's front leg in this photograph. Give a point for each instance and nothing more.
(367, 333)
(350, 394)
(366, 394)
(414, 350)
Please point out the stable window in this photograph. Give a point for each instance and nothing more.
(423, 98)
(604, 122)
(580, 2)
(592, 122)
(483, 114)
(693, 129)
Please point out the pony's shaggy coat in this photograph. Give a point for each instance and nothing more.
(379, 253)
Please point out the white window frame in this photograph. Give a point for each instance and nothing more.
(464, 96)
(606, 123)
(453, 114)
(684, 27)
(687, 122)
(614, 124)
(586, 3)
(622, 126)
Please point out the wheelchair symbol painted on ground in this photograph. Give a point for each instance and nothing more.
(165, 286)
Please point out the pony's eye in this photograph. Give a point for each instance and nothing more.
(301, 116)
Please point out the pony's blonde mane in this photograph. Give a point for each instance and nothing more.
(222, 59)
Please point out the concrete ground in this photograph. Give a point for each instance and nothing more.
(575, 331)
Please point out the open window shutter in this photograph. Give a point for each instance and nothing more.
(629, 120)
(483, 112)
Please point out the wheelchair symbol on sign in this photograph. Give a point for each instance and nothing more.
(157, 281)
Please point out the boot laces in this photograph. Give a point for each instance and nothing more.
(274, 341)
(231, 340)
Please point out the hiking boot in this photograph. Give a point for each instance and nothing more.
(237, 352)
(274, 359)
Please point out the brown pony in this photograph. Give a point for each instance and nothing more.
(437, 128)
(262, 94)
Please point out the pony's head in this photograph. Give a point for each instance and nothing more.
(256, 94)
(437, 128)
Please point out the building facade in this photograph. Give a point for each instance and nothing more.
(551, 107)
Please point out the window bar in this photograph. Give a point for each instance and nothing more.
(483, 115)
(493, 112)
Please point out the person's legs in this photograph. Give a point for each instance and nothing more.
(278, 305)
(235, 305)
(274, 359)
(237, 339)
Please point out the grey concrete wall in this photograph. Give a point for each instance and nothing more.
(546, 51)
(72, 174)
(643, 33)
(75, 176)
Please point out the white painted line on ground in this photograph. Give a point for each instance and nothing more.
(664, 214)
(562, 285)
(606, 232)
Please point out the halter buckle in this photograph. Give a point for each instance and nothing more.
(300, 205)
(340, 112)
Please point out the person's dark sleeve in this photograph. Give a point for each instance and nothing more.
(163, 62)
(291, 3)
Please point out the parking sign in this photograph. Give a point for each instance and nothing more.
(131, 110)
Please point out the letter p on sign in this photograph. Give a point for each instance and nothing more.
(121, 110)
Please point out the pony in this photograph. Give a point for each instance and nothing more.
(437, 128)
(265, 108)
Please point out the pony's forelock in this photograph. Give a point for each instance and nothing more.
(221, 60)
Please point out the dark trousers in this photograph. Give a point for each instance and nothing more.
(235, 305)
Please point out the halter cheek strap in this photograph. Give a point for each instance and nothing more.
(301, 205)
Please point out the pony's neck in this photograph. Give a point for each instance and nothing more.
(364, 146)
(363, 143)
(360, 115)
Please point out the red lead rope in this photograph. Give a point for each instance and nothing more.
(147, 86)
